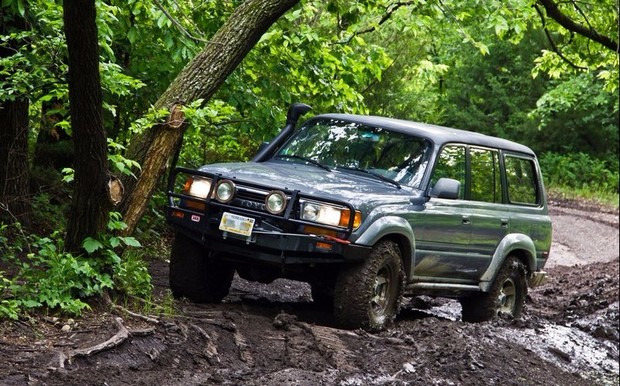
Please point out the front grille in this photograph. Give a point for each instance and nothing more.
(249, 204)
(252, 198)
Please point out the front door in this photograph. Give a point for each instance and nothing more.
(461, 235)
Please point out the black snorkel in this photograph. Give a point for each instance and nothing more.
(295, 111)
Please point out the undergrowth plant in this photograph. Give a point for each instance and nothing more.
(580, 175)
(48, 276)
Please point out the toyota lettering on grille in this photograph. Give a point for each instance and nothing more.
(252, 205)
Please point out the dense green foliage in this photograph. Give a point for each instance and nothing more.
(580, 171)
(46, 275)
(501, 68)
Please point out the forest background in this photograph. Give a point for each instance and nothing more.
(543, 73)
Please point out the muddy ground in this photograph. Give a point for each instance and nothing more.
(274, 334)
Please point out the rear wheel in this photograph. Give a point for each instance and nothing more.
(195, 276)
(507, 295)
(368, 295)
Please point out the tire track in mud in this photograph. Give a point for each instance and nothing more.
(332, 348)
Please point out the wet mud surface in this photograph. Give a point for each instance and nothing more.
(275, 335)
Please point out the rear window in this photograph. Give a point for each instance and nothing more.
(486, 183)
(522, 180)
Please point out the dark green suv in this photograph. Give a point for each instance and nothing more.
(366, 209)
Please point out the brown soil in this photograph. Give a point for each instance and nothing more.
(274, 334)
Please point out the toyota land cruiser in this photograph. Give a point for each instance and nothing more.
(366, 209)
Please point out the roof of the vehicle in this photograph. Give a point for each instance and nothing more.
(438, 134)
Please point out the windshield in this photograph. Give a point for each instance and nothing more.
(353, 147)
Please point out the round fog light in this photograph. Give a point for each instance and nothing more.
(275, 202)
(225, 191)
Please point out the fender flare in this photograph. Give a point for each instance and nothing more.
(510, 243)
(392, 226)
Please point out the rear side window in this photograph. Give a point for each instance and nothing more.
(522, 181)
(486, 182)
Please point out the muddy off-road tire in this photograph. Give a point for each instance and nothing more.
(368, 295)
(507, 295)
(194, 276)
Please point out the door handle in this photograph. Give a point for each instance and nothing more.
(465, 220)
(504, 222)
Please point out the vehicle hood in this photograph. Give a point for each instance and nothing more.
(309, 179)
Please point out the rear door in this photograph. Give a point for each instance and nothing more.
(490, 218)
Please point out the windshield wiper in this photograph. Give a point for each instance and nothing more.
(308, 160)
(377, 175)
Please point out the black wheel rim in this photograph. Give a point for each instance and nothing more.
(507, 297)
(382, 292)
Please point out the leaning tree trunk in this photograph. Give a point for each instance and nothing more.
(90, 205)
(199, 79)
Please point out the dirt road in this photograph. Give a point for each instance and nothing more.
(274, 334)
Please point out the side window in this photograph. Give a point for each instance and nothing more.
(451, 164)
(521, 177)
(485, 175)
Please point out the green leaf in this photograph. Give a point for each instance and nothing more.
(131, 241)
(21, 8)
(91, 245)
(115, 242)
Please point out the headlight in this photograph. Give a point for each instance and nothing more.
(225, 191)
(329, 214)
(275, 202)
(197, 187)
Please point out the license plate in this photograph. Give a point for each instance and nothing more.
(239, 225)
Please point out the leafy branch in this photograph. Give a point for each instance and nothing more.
(552, 10)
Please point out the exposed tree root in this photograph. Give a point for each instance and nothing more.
(120, 309)
(121, 336)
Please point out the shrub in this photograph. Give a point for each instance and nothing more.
(580, 171)
(47, 276)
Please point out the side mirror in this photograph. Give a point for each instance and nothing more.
(446, 188)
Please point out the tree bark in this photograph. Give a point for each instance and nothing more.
(90, 205)
(198, 80)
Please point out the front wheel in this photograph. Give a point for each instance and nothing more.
(368, 295)
(194, 276)
(507, 295)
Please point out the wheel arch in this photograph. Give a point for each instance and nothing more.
(398, 230)
(515, 244)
